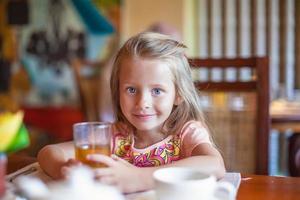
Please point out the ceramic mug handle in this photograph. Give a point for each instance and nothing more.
(224, 191)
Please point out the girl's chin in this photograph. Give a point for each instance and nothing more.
(144, 126)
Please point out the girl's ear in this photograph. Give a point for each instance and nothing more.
(178, 100)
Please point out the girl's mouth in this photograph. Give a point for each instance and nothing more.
(143, 116)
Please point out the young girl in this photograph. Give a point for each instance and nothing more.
(159, 120)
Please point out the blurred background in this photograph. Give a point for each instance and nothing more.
(56, 57)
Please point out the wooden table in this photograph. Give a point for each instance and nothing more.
(285, 116)
(286, 121)
(268, 187)
(15, 162)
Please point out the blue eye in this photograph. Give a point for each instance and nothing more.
(156, 91)
(131, 90)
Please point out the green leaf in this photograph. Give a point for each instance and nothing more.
(20, 141)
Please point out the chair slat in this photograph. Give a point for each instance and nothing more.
(226, 86)
(224, 62)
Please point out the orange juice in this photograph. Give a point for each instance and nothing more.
(82, 151)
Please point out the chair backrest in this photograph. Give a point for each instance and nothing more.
(257, 84)
(94, 88)
(88, 87)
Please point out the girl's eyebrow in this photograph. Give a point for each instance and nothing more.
(159, 86)
(127, 84)
(152, 85)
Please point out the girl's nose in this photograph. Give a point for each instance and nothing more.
(144, 102)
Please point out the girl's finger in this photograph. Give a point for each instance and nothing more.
(102, 158)
(116, 158)
(73, 162)
(102, 172)
(110, 180)
(65, 171)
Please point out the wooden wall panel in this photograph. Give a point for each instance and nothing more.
(253, 19)
(238, 27)
(282, 41)
(203, 28)
(268, 26)
(297, 44)
(209, 28)
(224, 25)
(261, 27)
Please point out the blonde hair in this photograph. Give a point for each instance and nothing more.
(161, 47)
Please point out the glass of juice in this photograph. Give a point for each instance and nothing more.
(92, 138)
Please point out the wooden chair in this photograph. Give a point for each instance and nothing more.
(294, 155)
(94, 89)
(242, 138)
(88, 89)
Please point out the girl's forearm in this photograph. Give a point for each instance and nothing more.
(146, 181)
(206, 164)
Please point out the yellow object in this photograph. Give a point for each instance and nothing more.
(9, 126)
(219, 99)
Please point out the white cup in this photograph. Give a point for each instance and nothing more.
(179, 183)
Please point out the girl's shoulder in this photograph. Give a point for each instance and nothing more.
(192, 126)
(194, 130)
(192, 134)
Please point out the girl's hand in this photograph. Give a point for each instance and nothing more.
(118, 172)
(65, 169)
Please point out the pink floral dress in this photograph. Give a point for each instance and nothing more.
(172, 148)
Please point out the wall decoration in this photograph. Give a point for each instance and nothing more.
(59, 31)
